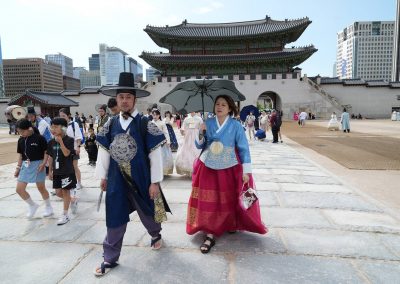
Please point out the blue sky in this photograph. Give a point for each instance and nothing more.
(76, 27)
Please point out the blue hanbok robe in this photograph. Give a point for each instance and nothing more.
(233, 139)
(345, 121)
(129, 149)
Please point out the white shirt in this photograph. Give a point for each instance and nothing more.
(103, 157)
(77, 135)
(303, 115)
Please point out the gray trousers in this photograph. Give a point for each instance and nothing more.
(113, 241)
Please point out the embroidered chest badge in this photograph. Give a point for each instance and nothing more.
(216, 147)
(123, 148)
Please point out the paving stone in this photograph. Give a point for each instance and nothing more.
(285, 172)
(381, 272)
(4, 192)
(294, 217)
(364, 220)
(14, 229)
(13, 208)
(179, 213)
(339, 243)
(315, 187)
(391, 241)
(245, 242)
(276, 178)
(178, 195)
(170, 266)
(319, 180)
(49, 231)
(267, 186)
(314, 173)
(325, 200)
(293, 269)
(267, 198)
(38, 262)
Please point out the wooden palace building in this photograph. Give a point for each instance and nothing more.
(252, 47)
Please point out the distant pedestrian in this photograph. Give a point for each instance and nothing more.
(275, 123)
(112, 105)
(31, 164)
(250, 127)
(91, 121)
(61, 170)
(91, 147)
(84, 121)
(302, 118)
(345, 121)
(103, 118)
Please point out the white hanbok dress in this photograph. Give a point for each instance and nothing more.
(167, 159)
(333, 123)
(188, 151)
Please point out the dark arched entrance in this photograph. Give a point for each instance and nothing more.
(269, 100)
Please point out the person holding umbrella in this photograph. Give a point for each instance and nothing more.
(220, 175)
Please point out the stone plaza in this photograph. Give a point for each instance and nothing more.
(321, 230)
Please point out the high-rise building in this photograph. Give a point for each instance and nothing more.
(90, 79)
(2, 91)
(139, 76)
(94, 62)
(136, 68)
(65, 62)
(77, 71)
(70, 83)
(34, 74)
(396, 47)
(365, 50)
(150, 74)
(113, 61)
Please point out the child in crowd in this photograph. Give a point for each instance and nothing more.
(31, 166)
(61, 170)
(91, 147)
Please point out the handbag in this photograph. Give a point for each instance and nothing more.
(248, 197)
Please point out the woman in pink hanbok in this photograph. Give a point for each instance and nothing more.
(188, 152)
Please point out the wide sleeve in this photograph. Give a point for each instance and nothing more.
(102, 164)
(243, 148)
(154, 137)
(156, 168)
(104, 136)
(165, 131)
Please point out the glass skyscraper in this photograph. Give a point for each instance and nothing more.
(113, 61)
(64, 61)
(2, 91)
(94, 62)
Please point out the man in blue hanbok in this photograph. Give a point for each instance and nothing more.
(345, 121)
(129, 165)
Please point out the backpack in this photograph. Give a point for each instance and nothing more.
(73, 129)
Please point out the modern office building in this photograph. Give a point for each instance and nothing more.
(150, 74)
(94, 62)
(396, 47)
(2, 91)
(365, 50)
(77, 71)
(65, 62)
(113, 61)
(34, 74)
(70, 83)
(90, 79)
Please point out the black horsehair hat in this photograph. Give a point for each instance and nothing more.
(126, 84)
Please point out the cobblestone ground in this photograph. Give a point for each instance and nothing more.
(321, 231)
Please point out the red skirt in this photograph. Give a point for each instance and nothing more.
(214, 204)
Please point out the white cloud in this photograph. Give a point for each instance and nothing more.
(211, 7)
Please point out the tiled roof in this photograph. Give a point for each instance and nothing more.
(348, 82)
(167, 58)
(47, 98)
(377, 83)
(237, 29)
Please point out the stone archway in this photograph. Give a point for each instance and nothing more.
(269, 100)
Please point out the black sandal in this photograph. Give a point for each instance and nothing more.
(104, 268)
(204, 248)
(154, 241)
